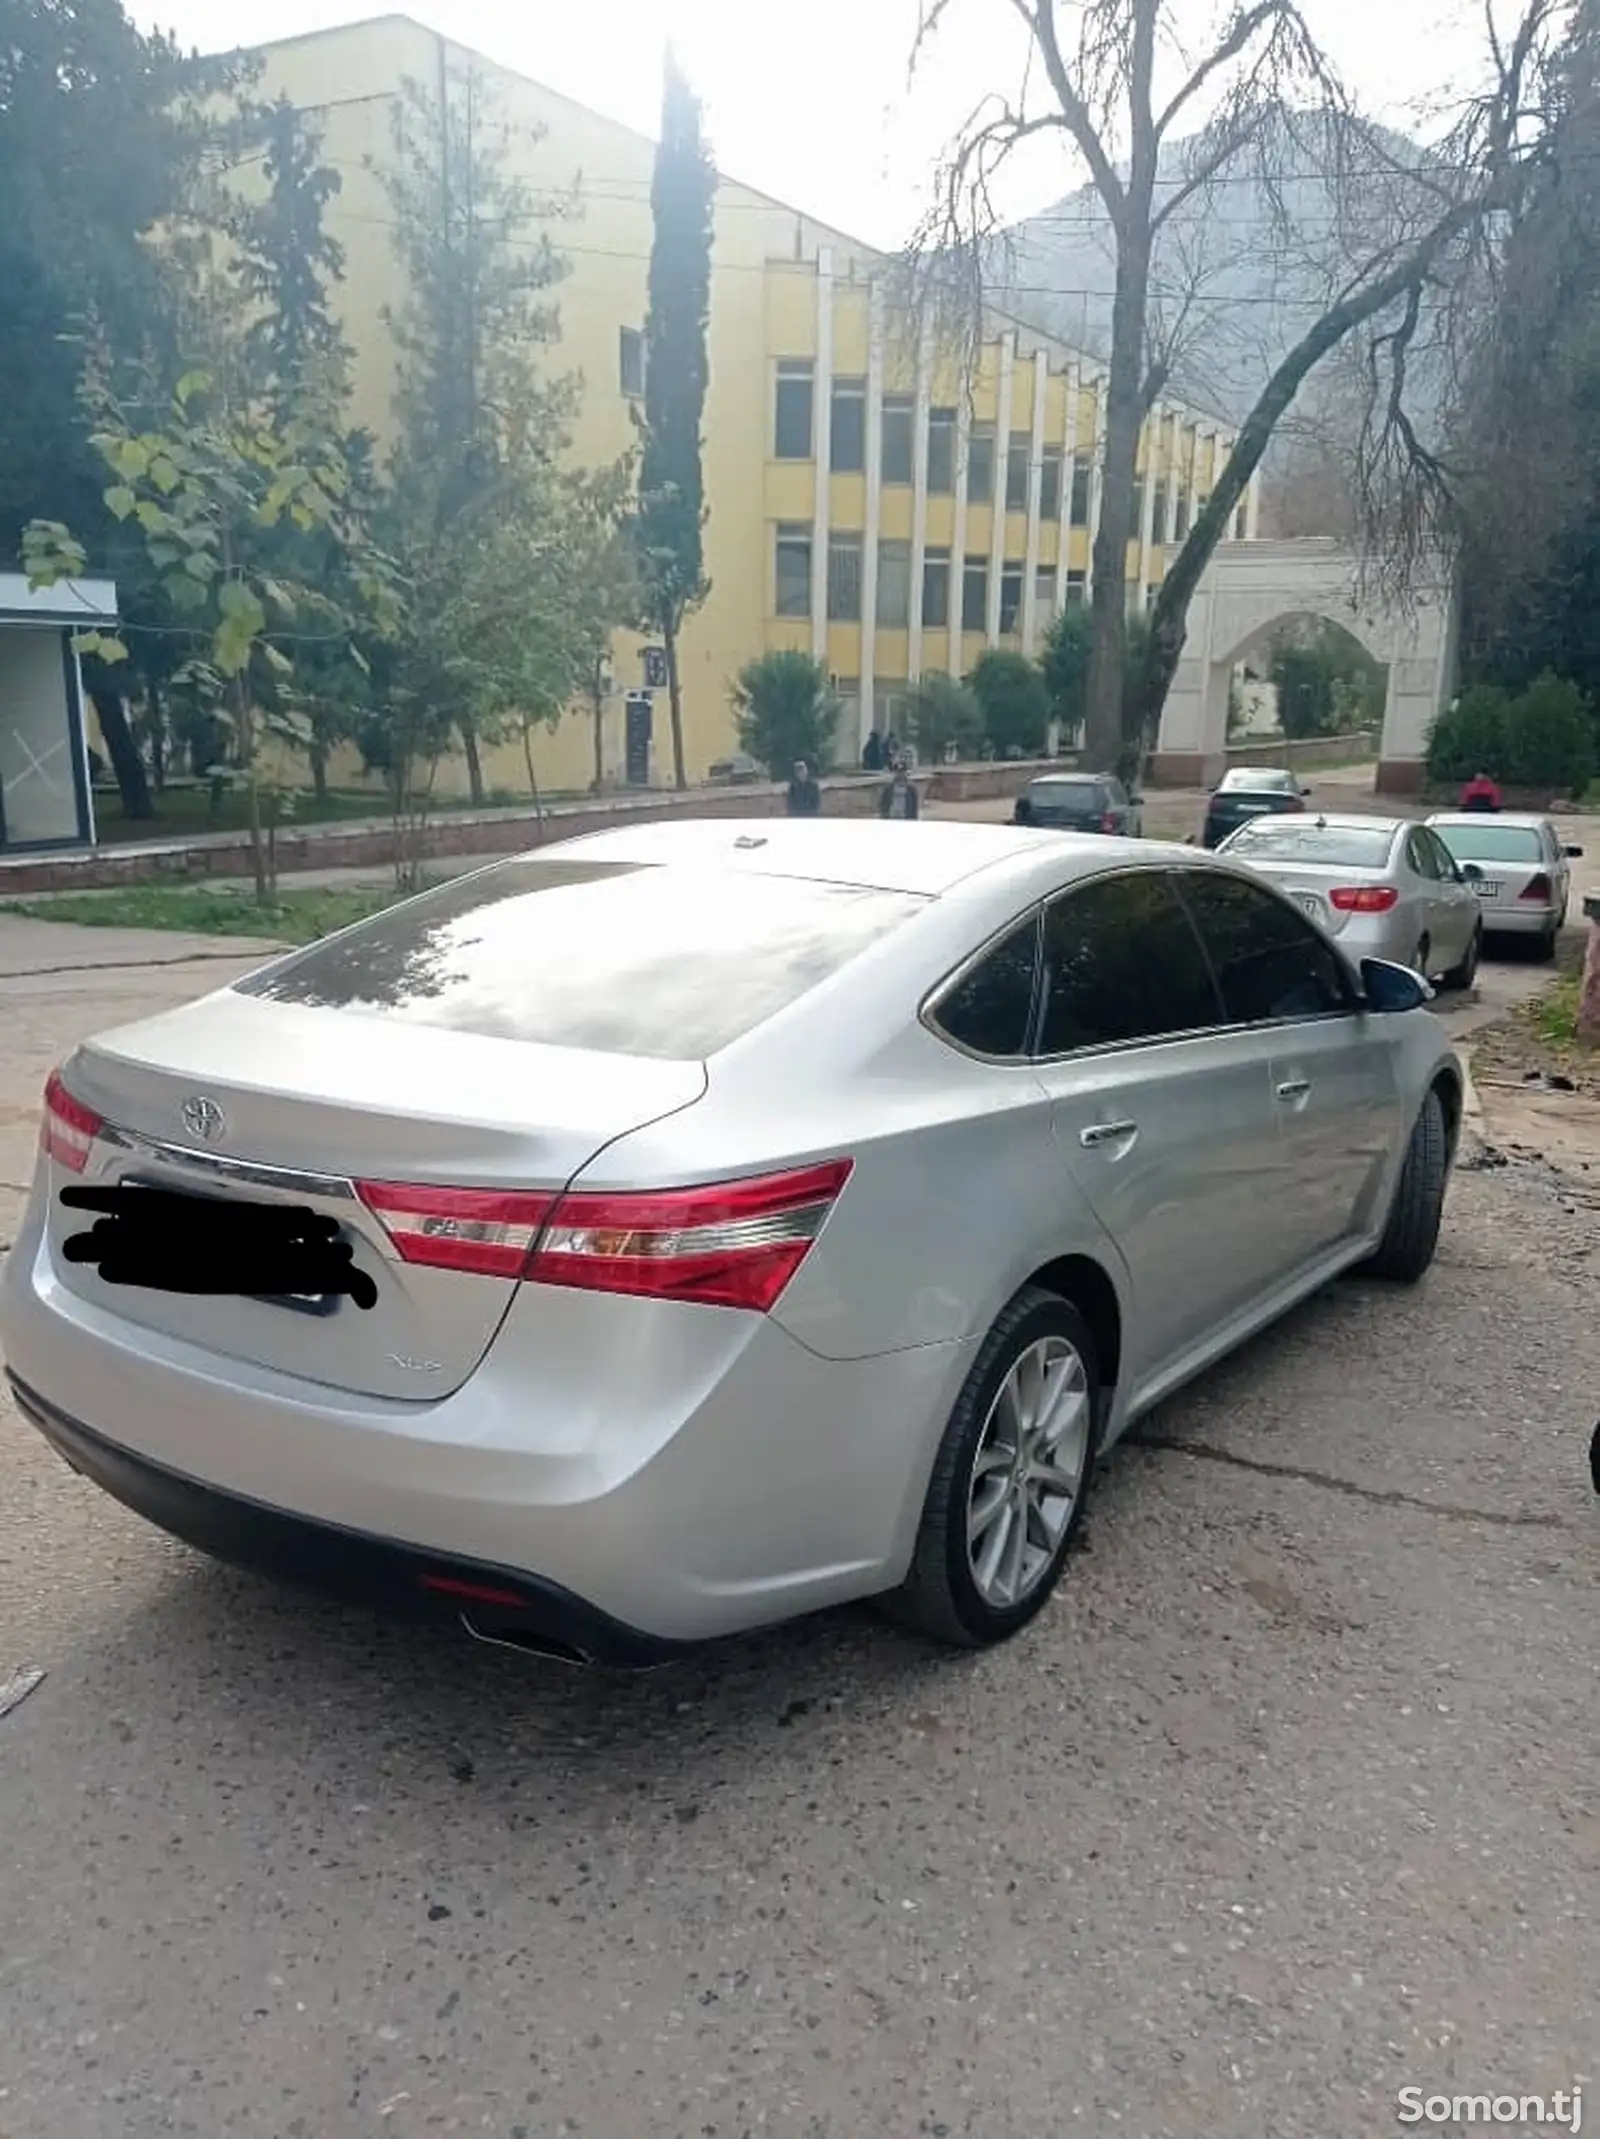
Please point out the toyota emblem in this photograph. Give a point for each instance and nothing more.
(204, 1119)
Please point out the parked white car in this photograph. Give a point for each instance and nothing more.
(1518, 867)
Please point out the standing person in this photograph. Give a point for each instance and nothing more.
(805, 796)
(900, 798)
(872, 755)
(1480, 793)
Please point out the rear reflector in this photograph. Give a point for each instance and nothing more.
(69, 1128)
(730, 1244)
(1364, 898)
(1538, 889)
(1108, 822)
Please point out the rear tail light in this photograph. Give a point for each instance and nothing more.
(1539, 889)
(69, 1128)
(1108, 822)
(731, 1244)
(1295, 802)
(1363, 898)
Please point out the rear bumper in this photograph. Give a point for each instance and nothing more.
(494, 1603)
(1529, 920)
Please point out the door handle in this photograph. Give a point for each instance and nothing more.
(1107, 1132)
(1294, 1088)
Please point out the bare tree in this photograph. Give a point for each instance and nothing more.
(1117, 81)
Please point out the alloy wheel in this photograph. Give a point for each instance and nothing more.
(1028, 1472)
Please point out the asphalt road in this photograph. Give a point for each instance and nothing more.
(1286, 1803)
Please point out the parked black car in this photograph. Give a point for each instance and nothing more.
(1250, 791)
(1080, 802)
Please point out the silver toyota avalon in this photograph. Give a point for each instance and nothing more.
(682, 1228)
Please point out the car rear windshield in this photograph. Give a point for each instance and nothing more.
(1069, 794)
(1492, 842)
(1291, 839)
(613, 956)
(1256, 780)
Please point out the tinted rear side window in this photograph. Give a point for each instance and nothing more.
(612, 956)
(989, 1012)
(1270, 964)
(1122, 962)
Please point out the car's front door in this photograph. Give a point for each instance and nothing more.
(1164, 1120)
(1334, 1085)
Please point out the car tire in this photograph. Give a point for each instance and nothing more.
(1544, 947)
(1412, 1233)
(944, 1597)
(1463, 975)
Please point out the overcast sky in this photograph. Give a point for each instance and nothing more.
(809, 99)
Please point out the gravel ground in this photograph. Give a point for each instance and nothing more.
(1284, 1805)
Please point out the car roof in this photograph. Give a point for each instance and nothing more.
(1240, 773)
(927, 859)
(1524, 820)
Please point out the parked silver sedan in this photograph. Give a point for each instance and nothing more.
(1518, 867)
(1382, 887)
(685, 1227)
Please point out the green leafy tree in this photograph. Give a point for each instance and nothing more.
(1304, 681)
(208, 490)
(672, 509)
(1471, 735)
(784, 710)
(1015, 700)
(1550, 737)
(942, 712)
(1068, 647)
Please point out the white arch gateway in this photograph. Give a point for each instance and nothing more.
(1247, 590)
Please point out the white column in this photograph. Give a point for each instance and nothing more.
(1030, 561)
(873, 455)
(919, 496)
(1155, 423)
(1097, 478)
(1069, 477)
(958, 534)
(1252, 507)
(1002, 457)
(822, 451)
(1194, 476)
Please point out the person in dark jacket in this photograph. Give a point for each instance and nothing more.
(872, 754)
(805, 796)
(900, 797)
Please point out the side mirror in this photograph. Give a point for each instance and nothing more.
(1470, 872)
(1305, 794)
(1573, 854)
(1136, 802)
(1392, 990)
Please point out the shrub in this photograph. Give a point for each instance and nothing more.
(1065, 662)
(784, 710)
(1015, 700)
(943, 711)
(1471, 735)
(1304, 682)
(1550, 738)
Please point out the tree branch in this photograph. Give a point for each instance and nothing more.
(1243, 29)
(1039, 15)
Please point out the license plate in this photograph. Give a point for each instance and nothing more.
(1309, 903)
(1252, 809)
(1487, 891)
(167, 1240)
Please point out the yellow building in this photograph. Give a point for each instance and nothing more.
(877, 503)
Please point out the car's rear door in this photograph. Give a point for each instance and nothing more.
(1162, 1118)
(1334, 1084)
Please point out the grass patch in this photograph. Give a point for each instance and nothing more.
(1554, 1013)
(211, 910)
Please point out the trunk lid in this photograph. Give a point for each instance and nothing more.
(311, 1101)
(1309, 883)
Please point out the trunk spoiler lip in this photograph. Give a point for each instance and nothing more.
(221, 1167)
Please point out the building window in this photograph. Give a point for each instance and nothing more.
(1018, 454)
(630, 362)
(1077, 589)
(791, 431)
(1136, 526)
(891, 706)
(941, 451)
(898, 417)
(980, 464)
(1044, 594)
(793, 569)
(975, 595)
(894, 585)
(1180, 519)
(844, 579)
(1010, 598)
(936, 589)
(1050, 488)
(1240, 522)
(1080, 495)
(847, 452)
